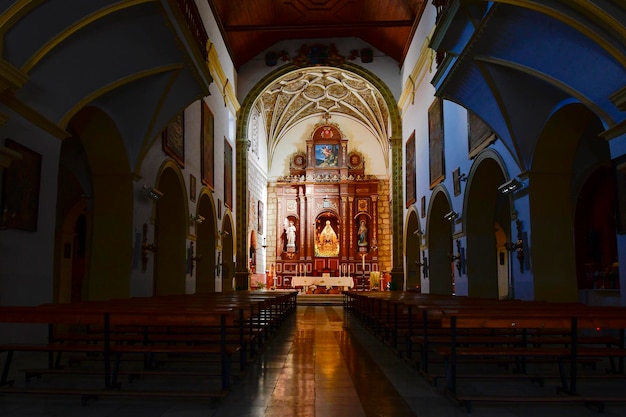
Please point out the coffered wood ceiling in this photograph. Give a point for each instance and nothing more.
(251, 26)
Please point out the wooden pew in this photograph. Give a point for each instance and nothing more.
(527, 321)
(105, 349)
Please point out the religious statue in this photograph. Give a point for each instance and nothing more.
(327, 243)
(362, 234)
(291, 236)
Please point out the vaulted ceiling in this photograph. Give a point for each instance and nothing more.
(249, 27)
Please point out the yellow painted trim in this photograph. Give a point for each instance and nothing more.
(588, 9)
(53, 43)
(553, 81)
(148, 141)
(112, 86)
(13, 14)
(223, 83)
(33, 116)
(11, 77)
(421, 68)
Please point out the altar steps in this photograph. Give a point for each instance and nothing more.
(320, 299)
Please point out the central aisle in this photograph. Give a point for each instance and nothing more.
(315, 367)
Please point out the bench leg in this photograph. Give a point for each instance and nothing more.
(5, 371)
(115, 372)
(564, 385)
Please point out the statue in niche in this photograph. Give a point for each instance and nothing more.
(327, 242)
(291, 235)
(362, 234)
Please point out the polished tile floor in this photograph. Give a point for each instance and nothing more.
(317, 365)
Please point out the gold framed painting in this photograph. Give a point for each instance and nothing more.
(435, 142)
(174, 139)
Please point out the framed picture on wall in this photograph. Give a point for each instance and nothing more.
(326, 155)
(228, 174)
(423, 206)
(260, 217)
(435, 142)
(410, 171)
(456, 180)
(192, 187)
(174, 139)
(620, 197)
(480, 134)
(207, 146)
(20, 191)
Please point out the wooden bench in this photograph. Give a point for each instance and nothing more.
(106, 350)
(527, 320)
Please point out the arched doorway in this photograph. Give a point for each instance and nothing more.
(413, 252)
(486, 211)
(93, 249)
(439, 236)
(170, 258)
(205, 247)
(567, 151)
(228, 263)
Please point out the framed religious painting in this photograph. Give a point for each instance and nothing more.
(435, 142)
(228, 174)
(259, 213)
(207, 142)
(410, 171)
(456, 181)
(174, 139)
(20, 191)
(480, 134)
(192, 187)
(326, 155)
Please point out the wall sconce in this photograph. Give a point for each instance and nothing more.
(264, 245)
(451, 216)
(197, 218)
(191, 259)
(145, 247)
(423, 264)
(223, 233)
(152, 193)
(517, 246)
(510, 186)
(418, 233)
(463, 177)
(459, 257)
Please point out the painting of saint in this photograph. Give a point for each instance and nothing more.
(326, 156)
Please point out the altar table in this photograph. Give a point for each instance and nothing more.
(304, 281)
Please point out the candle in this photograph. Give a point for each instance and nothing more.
(363, 257)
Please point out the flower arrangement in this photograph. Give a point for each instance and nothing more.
(375, 280)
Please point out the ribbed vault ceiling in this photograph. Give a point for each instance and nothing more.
(318, 91)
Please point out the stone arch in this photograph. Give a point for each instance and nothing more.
(439, 238)
(485, 212)
(96, 161)
(568, 147)
(413, 246)
(395, 121)
(171, 225)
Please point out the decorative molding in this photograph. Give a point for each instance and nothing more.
(223, 83)
(423, 66)
(618, 98)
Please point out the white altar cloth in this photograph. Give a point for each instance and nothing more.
(306, 281)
